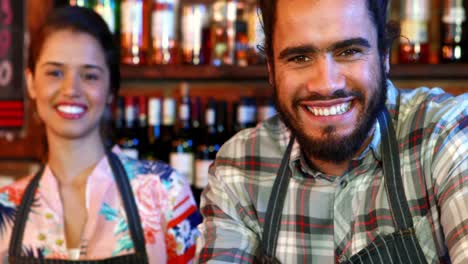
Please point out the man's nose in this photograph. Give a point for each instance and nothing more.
(326, 76)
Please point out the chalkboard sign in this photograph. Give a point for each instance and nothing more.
(12, 58)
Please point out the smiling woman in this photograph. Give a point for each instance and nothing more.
(98, 204)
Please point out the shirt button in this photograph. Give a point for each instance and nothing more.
(342, 258)
(344, 183)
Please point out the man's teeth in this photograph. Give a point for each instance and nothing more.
(330, 111)
(71, 109)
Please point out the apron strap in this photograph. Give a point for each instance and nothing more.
(275, 205)
(392, 175)
(16, 239)
(128, 200)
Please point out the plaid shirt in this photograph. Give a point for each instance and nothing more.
(327, 219)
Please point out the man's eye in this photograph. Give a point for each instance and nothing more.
(349, 52)
(299, 59)
(54, 73)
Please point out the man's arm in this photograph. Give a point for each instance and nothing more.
(227, 234)
(450, 173)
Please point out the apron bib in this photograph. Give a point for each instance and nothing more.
(401, 246)
(133, 218)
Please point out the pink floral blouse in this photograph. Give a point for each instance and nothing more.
(167, 210)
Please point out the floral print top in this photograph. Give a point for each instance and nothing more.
(166, 206)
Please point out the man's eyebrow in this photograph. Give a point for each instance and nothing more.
(350, 42)
(302, 49)
(308, 49)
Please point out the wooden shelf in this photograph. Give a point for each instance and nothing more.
(185, 72)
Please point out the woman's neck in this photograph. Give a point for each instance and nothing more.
(72, 160)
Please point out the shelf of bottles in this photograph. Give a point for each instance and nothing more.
(184, 131)
(218, 39)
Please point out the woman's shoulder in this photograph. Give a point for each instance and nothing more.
(11, 194)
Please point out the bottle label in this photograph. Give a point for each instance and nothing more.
(168, 111)
(246, 114)
(183, 163)
(415, 31)
(107, 13)
(184, 112)
(454, 15)
(154, 112)
(130, 152)
(201, 173)
(210, 117)
(132, 17)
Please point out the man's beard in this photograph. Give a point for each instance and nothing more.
(333, 148)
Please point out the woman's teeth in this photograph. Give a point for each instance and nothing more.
(330, 111)
(70, 109)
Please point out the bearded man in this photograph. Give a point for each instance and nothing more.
(352, 169)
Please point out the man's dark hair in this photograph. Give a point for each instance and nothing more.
(386, 32)
(83, 20)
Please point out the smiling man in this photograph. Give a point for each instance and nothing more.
(352, 170)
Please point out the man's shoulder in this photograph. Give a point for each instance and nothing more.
(431, 106)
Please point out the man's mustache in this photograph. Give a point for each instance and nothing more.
(338, 94)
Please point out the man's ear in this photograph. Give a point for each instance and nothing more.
(386, 62)
(30, 83)
(271, 74)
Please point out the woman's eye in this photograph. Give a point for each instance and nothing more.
(299, 59)
(90, 76)
(54, 73)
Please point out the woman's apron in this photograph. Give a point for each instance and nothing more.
(133, 218)
(399, 247)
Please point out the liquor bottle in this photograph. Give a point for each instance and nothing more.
(453, 20)
(223, 32)
(82, 3)
(266, 109)
(241, 39)
(414, 44)
(154, 150)
(246, 113)
(134, 31)
(193, 17)
(142, 129)
(110, 12)
(206, 150)
(168, 127)
(164, 32)
(119, 118)
(182, 156)
(129, 142)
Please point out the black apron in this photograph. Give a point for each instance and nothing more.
(401, 246)
(133, 218)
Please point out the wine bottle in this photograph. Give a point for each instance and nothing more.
(182, 154)
(129, 141)
(168, 127)
(206, 150)
(154, 150)
(246, 113)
